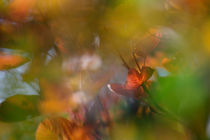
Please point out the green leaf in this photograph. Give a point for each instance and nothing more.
(19, 107)
(181, 94)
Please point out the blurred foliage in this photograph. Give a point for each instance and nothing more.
(19, 107)
(83, 69)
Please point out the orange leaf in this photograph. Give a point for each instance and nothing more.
(8, 61)
(61, 128)
(132, 86)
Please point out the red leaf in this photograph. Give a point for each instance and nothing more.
(132, 87)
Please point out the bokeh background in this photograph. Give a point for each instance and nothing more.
(58, 56)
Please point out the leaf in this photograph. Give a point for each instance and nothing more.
(19, 107)
(146, 73)
(181, 94)
(120, 89)
(8, 61)
(133, 80)
(132, 86)
(148, 42)
(58, 128)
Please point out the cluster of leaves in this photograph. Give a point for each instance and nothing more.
(102, 69)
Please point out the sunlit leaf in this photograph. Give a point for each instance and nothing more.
(60, 128)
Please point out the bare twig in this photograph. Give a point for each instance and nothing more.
(123, 60)
(136, 61)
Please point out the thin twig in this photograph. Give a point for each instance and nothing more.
(136, 61)
(123, 60)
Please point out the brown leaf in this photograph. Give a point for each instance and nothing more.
(148, 42)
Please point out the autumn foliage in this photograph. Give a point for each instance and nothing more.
(104, 70)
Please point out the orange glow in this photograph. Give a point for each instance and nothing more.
(20, 9)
